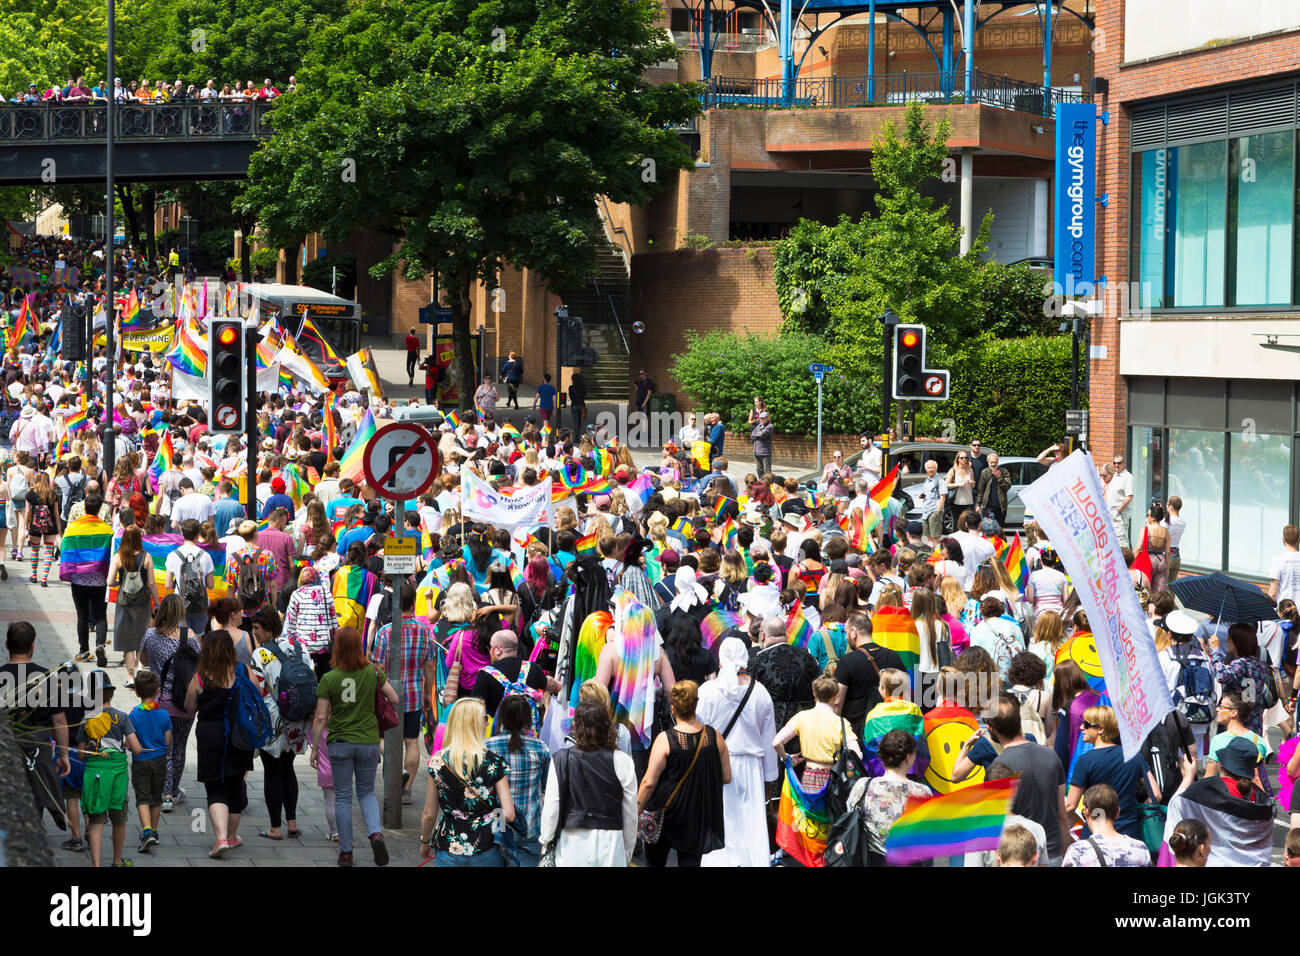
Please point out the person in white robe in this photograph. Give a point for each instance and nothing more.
(753, 758)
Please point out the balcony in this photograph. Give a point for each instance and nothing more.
(931, 89)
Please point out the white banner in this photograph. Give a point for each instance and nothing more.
(527, 506)
(1069, 504)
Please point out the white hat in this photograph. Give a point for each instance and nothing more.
(1180, 622)
(762, 601)
(28, 412)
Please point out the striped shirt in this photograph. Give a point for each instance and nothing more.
(310, 618)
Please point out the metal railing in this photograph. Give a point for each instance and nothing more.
(613, 313)
(891, 90)
(61, 122)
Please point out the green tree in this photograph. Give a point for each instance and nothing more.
(473, 134)
(811, 264)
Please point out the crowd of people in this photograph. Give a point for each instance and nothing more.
(647, 669)
(147, 92)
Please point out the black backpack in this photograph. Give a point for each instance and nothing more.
(76, 493)
(295, 691)
(193, 585)
(252, 588)
(1164, 750)
(183, 665)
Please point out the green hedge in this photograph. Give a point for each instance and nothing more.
(724, 371)
(1010, 393)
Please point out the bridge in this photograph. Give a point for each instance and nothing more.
(64, 142)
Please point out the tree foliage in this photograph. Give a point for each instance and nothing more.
(473, 133)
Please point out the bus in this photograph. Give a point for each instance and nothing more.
(334, 326)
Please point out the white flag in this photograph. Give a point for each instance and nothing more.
(1069, 504)
(527, 506)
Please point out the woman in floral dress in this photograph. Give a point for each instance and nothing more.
(280, 783)
(469, 796)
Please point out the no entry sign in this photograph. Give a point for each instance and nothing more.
(401, 461)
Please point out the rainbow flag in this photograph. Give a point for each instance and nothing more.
(453, 416)
(509, 430)
(729, 534)
(352, 588)
(160, 546)
(188, 354)
(330, 425)
(890, 715)
(893, 627)
(604, 462)
(516, 576)
(586, 546)
(719, 507)
(860, 532)
(949, 824)
(76, 421)
(162, 459)
(64, 447)
(594, 485)
(1013, 559)
(717, 623)
(131, 317)
(633, 690)
(884, 489)
(351, 464)
(591, 638)
(20, 328)
(295, 484)
(803, 824)
(798, 632)
(87, 547)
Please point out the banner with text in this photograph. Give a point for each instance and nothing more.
(527, 506)
(1069, 504)
(1076, 197)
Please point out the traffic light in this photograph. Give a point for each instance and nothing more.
(572, 352)
(227, 371)
(912, 380)
(73, 337)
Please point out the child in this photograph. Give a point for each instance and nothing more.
(1291, 854)
(105, 738)
(894, 712)
(153, 728)
(325, 780)
(1017, 847)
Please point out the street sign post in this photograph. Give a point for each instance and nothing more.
(401, 461)
(819, 372)
(433, 313)
(399, 556)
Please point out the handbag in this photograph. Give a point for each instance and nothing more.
(650, 823)
(384, 711)
(943, 648)
(451, 689)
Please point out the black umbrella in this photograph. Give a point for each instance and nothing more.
(1225, 598)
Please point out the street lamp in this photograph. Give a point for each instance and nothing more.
(109, 437)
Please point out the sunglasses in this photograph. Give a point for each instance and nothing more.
(1088, 726)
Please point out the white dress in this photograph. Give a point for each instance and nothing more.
(753, 761)
(583, 847)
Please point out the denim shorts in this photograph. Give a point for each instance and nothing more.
(490, 857)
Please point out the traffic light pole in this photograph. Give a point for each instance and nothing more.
(889, 320)
(250, 421)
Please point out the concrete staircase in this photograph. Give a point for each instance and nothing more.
(604, 305)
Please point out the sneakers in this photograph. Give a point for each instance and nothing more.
(126, 861)
(219, 850)
(345, 859)
(380, 849)
(147, 839)
(101, 657)
(179, 795)
(168, 804)
(76, 846)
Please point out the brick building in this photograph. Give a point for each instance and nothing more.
(1199, 324)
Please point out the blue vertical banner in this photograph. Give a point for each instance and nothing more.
(1076, 197)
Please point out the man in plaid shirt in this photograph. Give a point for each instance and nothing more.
(265, 561)
(418, 672)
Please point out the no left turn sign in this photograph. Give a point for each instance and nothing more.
(401, 461)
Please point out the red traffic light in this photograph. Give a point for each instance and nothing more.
(910, 340)
(228, 335)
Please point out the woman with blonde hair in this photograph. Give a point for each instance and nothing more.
(467, 647)
(1046, 639)
(19, 477)
(469, 786)
(594, 690)
(1105, 764)
(565, 519)
(43, 526)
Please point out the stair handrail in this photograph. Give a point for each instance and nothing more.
(595, 284)
(624, 241)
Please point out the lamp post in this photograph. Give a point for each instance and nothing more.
(109, 438)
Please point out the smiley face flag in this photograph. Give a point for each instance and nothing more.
(1082, 650)
(946, 729)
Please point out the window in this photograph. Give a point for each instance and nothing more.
(1196, 203)
(1259, 209)
(1196, 475)
(1259, 497)
(1144, 462)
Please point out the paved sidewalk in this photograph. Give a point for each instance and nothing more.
(185, 835)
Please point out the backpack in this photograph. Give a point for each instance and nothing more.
(251, 589)
(193, 588)
(183, 665)
(1194, 692)
(247, 721)
(75, 494)
(1164, 749)
(18, 487)
(43, 519)
(384, 616)
(518, 686)
(131, 589)
(1271, 692)
(847, 842)
(296, 688)
(1031, 721)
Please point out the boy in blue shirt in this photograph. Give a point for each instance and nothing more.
(153, 728)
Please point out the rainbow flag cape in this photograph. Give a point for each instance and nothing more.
(591, 638)
(948, 824)
(890, 715)
(803, 824)
(1013, 559)
(509, 430)
(188, 354)
(893, 627)
(717, 623)
(352, 588)
(351, 464)
(884, 489)
(633, 689)
(295, 484)
(798, 632)
(159, 546)
(586, 546)
(87, 547)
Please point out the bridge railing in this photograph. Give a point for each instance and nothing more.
(63, 122)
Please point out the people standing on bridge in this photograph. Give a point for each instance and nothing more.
(412, 357)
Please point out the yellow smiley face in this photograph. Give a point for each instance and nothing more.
(944, 741)
(1082, 649)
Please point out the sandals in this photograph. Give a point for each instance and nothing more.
(76, 846)
(268, 835)
(294, 834)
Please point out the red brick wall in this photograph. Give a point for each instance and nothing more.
(713, 290)
(1167, 76)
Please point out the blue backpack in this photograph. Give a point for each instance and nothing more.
(248, 722)
(1194, 693)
